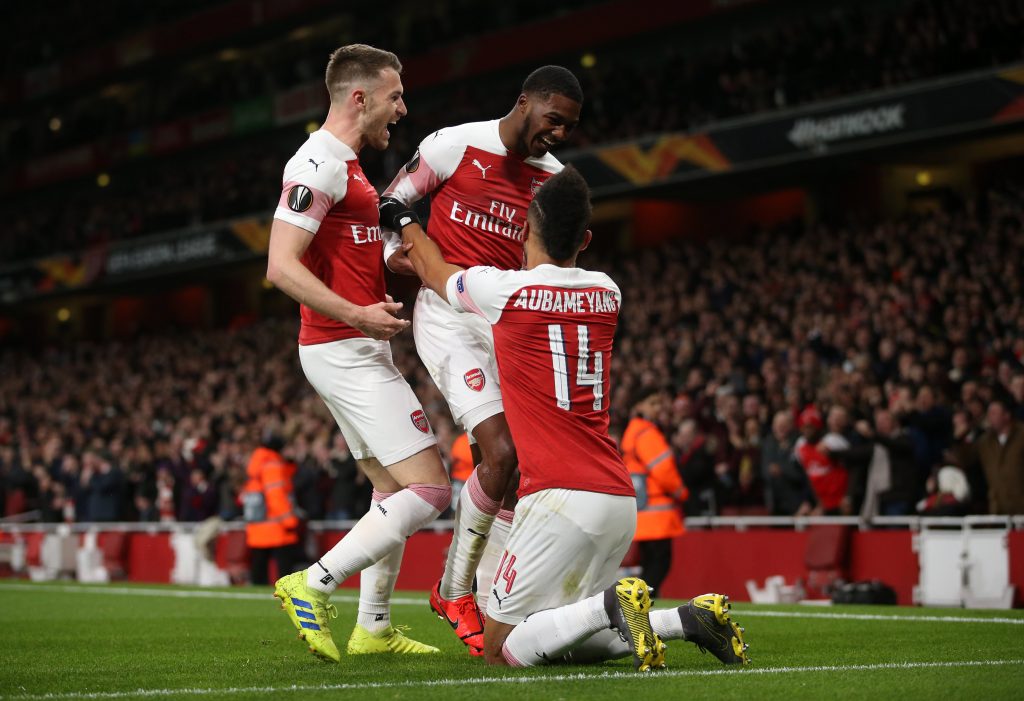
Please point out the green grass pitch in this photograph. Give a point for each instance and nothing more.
(69, 641)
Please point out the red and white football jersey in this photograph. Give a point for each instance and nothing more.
(553, 331)
(479, 194)
(326, 193)
(827, 476)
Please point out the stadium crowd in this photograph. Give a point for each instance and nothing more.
(894, 349)
(793, 60)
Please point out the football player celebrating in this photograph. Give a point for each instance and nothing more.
(553, 326)
(480, 178)
(326, 253)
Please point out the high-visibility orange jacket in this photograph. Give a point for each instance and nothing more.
(267, 501)
(659, 488)
(462, 458)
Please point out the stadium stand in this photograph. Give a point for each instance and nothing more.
(748, 67)
(917, 314)
(829, 316)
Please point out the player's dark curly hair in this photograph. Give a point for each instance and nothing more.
(560, 213)
(553, 80)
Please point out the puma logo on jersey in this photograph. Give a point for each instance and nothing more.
(494, 595)
(316, 166)
(483, 169)
(355, 176)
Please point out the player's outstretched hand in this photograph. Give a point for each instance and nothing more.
(380, 320)
(399, 261)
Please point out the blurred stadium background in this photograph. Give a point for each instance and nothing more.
(807, 204)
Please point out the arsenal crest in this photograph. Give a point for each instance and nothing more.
(419, 420)
(475, 379)
(535, 184)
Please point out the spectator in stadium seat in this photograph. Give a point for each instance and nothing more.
(827, 476)
(885, 480)
(165, 495)
(742, 487)
(351, 493)
(19, 489)
(311, 481)
(696, 464)
(101, 482)
(929, 423)
(787, 491)
(199, 498)
(1016, 390)
(145, 507)
(50, 499)
(1000, 452)
(947, 494)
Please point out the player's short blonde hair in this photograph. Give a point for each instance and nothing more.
(357, 64)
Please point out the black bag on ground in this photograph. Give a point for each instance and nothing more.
(868, 592)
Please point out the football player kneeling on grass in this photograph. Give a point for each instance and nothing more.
(553, 597)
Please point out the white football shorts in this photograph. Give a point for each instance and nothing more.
(564, 546)
(375, 408)
(458, 351)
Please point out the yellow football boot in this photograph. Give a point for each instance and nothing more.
(309, 611)
(362, 642)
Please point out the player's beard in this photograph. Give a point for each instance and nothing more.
(377, 134)
(524, 147)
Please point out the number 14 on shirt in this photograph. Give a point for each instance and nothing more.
(584, 378)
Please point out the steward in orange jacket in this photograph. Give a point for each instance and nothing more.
(462, 459)
(271, 524)
(462, 466)
(660, 491)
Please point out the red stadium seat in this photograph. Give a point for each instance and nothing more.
(114, 546)
(233, 556)
(826, 558)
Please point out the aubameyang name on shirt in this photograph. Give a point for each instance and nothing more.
(497, 221)
(573, 301)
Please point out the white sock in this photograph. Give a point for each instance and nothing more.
(382, 529)
(547, 635)
(599, 647)
(492, 556)
(667, 624)
(376, 584)
(607, 645)
(473, 519)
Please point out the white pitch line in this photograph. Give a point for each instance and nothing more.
(742, 613)
(481, 681)
(407, 601)
(182, 593)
